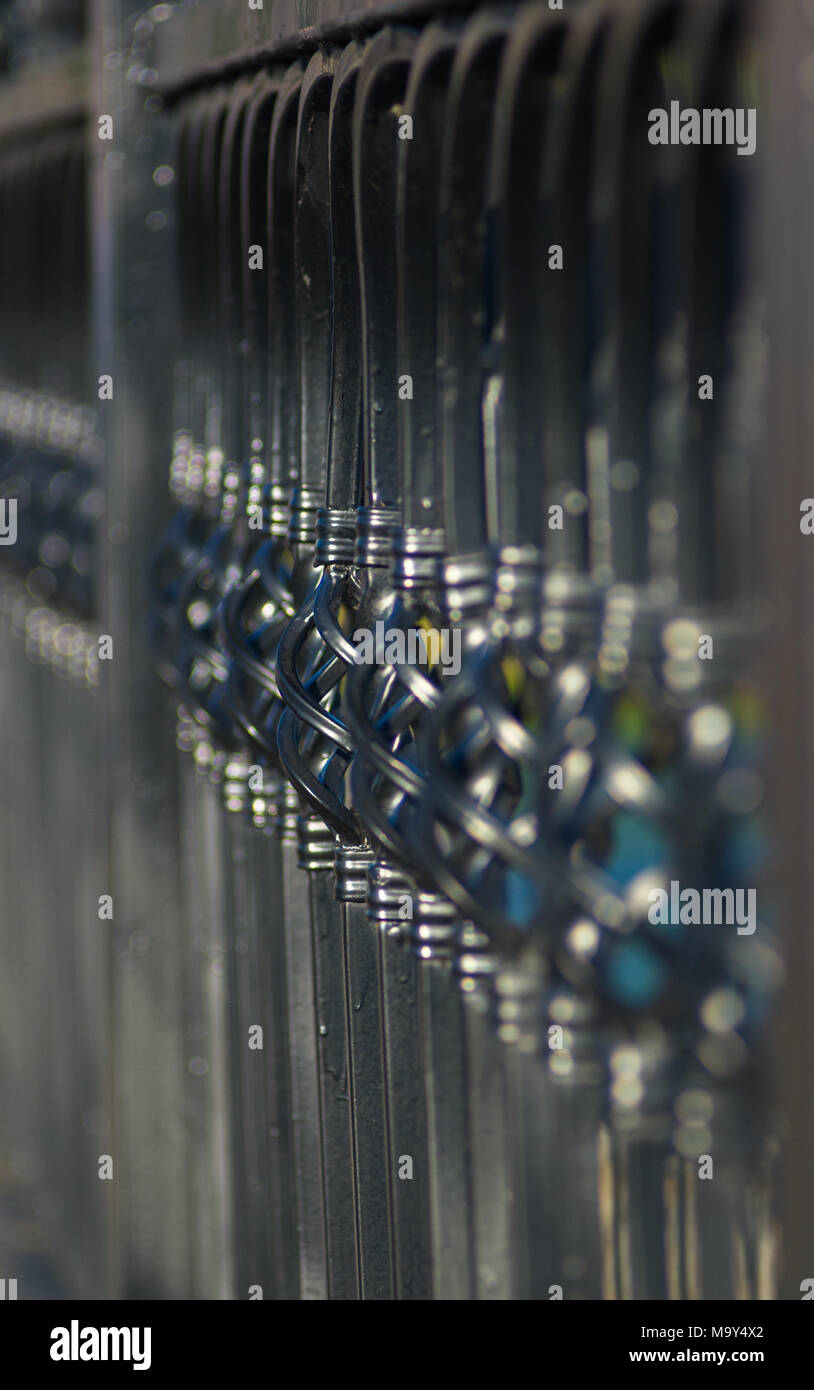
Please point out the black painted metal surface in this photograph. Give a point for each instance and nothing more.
(432, 667)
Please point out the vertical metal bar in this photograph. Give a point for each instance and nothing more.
(331, 1024)
(266, 969)
(314, 317)
(489, 1122)
(366, 1073)
(246, 1235)
(787, 219)
(133, 279)
(446, 1082)
(405, 1095)
(379, 103)
(367, 1080)
(305, 1098)
(254, 1254)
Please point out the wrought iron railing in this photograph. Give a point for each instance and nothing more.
(444, 939)
(449, 317)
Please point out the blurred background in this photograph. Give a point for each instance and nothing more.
(209, 822)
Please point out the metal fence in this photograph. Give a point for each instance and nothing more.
(391, 911)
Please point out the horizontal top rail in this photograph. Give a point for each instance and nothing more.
(218, 41)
